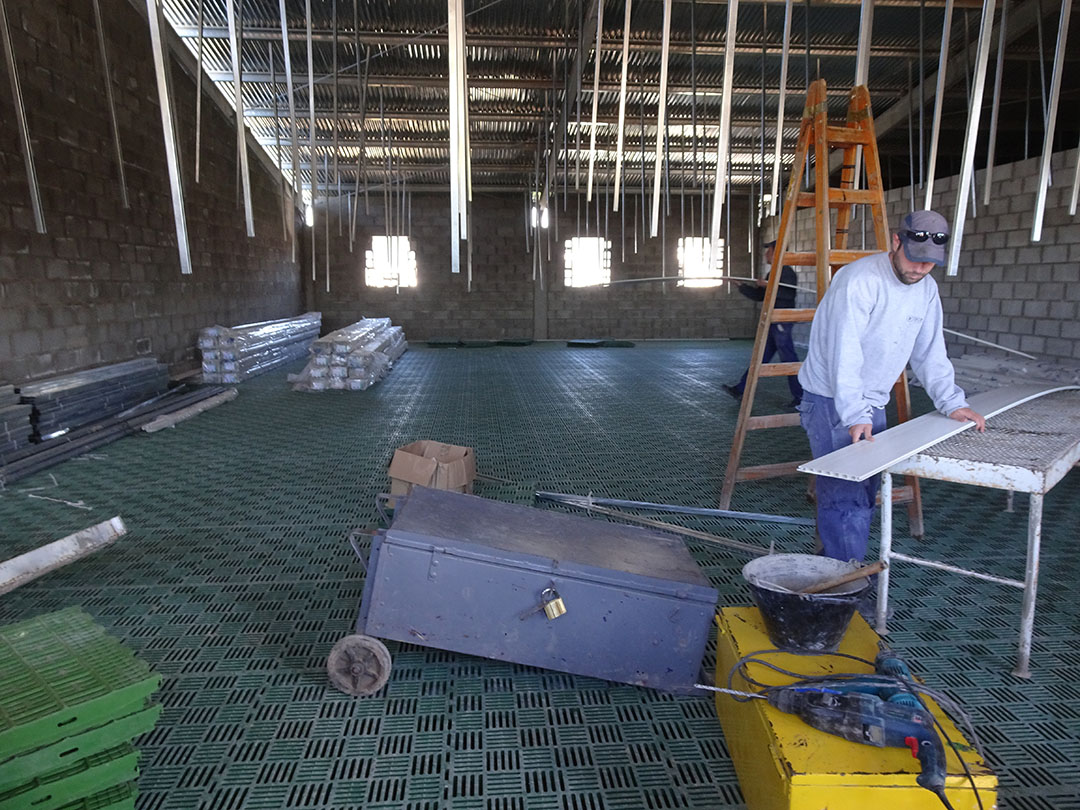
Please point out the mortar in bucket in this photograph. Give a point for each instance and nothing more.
(802, 621)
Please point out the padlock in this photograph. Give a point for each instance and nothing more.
(554, 607)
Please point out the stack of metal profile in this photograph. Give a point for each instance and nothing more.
(15, 427)
(232, 354)
(72, 701)
(353, 358)
(61, 404)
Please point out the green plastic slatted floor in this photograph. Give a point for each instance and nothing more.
(236, 579)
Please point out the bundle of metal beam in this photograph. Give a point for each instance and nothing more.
(34, 458)
(353, 358)
(232, 354)
(64, 403)
(68, 739)
(15, 427)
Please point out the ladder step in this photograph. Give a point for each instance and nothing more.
(848, 136)
(774, 420)
(837, 258)
(779, 369)
(767, 471)
(840, 196)
(793, 315)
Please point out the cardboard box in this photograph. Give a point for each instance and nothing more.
(432, 464)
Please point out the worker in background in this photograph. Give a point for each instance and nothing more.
(880, 313)
(779, 340)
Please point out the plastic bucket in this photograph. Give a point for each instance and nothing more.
(801, 621)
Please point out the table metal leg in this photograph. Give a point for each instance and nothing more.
(1031, 582)
(886, 551)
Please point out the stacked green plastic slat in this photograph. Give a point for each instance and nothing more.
(72, 699)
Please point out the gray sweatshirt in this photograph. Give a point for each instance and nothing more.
(867, 328)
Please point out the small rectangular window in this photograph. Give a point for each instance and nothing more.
(588, 261)
(694, 253)
(391, 262)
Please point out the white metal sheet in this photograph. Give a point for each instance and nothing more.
(857, 462)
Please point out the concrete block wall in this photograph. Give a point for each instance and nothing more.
(499, 306)
(505, 302)
(1008, 290)
(104, 283)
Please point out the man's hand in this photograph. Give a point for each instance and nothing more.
(860, 432)
(762, 282)
(968, 415)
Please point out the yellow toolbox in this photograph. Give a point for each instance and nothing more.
(784, 764)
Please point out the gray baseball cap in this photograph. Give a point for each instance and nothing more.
(925, 236)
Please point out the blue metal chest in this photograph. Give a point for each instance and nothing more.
(462, 573)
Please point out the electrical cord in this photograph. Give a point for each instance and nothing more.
(917, 690)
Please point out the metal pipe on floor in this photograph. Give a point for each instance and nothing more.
(757, 517)
(672, 527)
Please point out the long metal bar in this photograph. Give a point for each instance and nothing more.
(862, 55)
(277, 146)
(20, 118)
(967, 165)
(456, 147)
(939, 101)
(314, 170)
(720, 184)
(337, 173)
(995, 107)
(955, 569)
(661, 119)
(622, 104)
(595, 99)
(287, 54)
(775, 195)
(198, 90)
(112, 104)
(672, 527)
(648, 506)
(238, 96)
(1075, 188)
(1051, 120)
(466, 158)
(361, 152)
(168, 128)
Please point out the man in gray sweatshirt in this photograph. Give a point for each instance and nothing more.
(879, 313)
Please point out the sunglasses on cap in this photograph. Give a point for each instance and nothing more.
(922, 236)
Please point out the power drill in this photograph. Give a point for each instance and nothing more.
(868, 719)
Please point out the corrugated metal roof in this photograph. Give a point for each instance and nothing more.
(520, 57)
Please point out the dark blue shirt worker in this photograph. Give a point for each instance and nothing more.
(780, 339)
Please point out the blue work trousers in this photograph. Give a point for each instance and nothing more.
(779, 341)
(844, 508)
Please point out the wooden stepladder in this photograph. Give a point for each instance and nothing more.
(817, 136)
